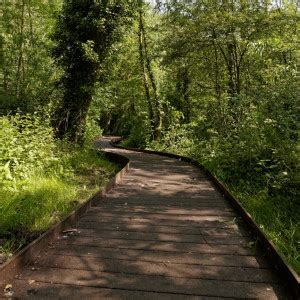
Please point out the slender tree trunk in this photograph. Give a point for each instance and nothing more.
(182, 88)
(147, 66)
(20, 67)
(145, 80)
(32, 40)
(185, 94)
(217, 73)
(3, 67)
(230, 67)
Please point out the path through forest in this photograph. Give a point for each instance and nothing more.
(165, 232)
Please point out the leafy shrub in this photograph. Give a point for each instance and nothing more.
(26, 144)
(92, 130)
(42, 179)
(139, 135)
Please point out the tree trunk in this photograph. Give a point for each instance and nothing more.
(145, 80)
(20, 67)
(230, 67)
(182, 89)
(217, 74)
(70, 119)
(185, 94)
(148, 71)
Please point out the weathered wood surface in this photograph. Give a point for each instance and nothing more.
(165, 232)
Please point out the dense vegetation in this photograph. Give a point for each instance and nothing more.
(217, 81)
(213, 80)
(42, 178)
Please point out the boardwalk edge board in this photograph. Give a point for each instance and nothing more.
(287, 274)
(12, 267)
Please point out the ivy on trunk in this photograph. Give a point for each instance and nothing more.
(84, 33)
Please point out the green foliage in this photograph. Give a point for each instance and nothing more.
(92, 130)
(227, 78)
(41, 179)
(137, 138)
(84, 34)
(213, 80)
(121, 99)
(26, 70)
(25, 145)
(37, 205)
(177, 137)
(277, 216)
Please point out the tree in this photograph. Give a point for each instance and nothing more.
(154, 105)
(26, 70)
(84, 34)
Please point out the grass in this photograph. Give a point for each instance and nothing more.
(279, 219)
(49, 195)
(277, 216)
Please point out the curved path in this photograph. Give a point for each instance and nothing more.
(165, 232)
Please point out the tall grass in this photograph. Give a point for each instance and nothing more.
(41, 180)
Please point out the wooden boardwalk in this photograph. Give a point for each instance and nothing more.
(164, 233)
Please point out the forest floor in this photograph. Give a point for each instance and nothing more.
(164, 232)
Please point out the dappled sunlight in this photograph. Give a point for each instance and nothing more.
(196, 104)
(167, 231)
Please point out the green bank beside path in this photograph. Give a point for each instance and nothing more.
(42, 180)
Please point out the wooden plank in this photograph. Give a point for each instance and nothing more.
(42, 290)
(163, 203)
(189, 198)
(142, 210)
(207, 259)
(157, 268)
(158, 246)
(188, 230)
(210, 223)
(163, 237)
(158, 216)
(158, 284)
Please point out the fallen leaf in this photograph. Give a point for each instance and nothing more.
(8, 287)
(8, 290)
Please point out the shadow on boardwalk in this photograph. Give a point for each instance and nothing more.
(164, 232)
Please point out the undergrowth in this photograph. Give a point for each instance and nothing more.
(42, 180)
(277, 216)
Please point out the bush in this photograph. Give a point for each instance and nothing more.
(26, 144)
(42, 179)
